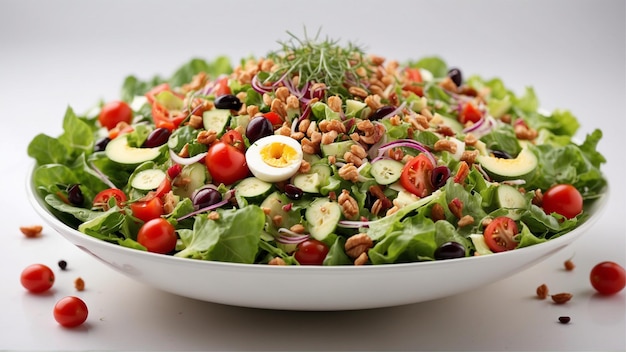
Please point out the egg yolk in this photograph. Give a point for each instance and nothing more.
(278, 154)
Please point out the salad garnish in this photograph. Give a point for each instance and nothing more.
(319, 154)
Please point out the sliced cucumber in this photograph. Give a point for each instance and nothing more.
(252, 187)
(196, 174)
(354, 107)
(479, 242)
(312, 181)
(309, 183)
(522, 167)
(386, 171)
(510, 198)
(148, 180)
(337, 149)
(274, 205)
(120, 152)
(322, 217)
(216, 120)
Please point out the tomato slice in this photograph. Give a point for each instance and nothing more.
(101, 200)
(235, 139)
(152, 93)
(469, 113)
(148, 209)
(160, 114)
(414, 81)
(274, 118)
(221, 87)
(416, 176)
(500, 234)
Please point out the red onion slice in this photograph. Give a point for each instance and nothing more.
(408, 143)
(186, 161)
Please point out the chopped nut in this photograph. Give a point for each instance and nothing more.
(277, 220)
(538, 197)
(437, 212)
(79, 284)
(196, 121)
(569, 265)
(31, 231)
(297, 228)
(358, 92)
(349, 172)
(206, 137)
(334, 103)
(445, 145)
(358, 244)
(213, 216)
(465, 221)
(542, 291)
(349, 206)
(276, 261)
(362, 259)
(456, 207)
(561, 298)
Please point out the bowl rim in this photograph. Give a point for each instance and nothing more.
(73, 235)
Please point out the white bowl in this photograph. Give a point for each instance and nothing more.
(317, 288)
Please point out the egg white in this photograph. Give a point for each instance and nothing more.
(268, 173)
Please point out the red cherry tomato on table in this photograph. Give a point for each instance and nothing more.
(500, 234)
(37, 278)
(115, 112)
(70, 311)
(226, 164)
(416, 176)
(158, 236)
(235, 139)
(311, 252)
(563, 199)
(101, 200)
(608, 278)
(147, 210)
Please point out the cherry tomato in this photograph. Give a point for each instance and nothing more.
(469, 113)
(414, 78)
(500, 234)
(148, 209)
(70, 311)
(37, 278)
(563, 199)
(226, 164)
(608, 278)
(101, 200)
(274, 118)
(115, 112)
(158, 236)
(221, 87)
(163, 188)
(311, 252)
(416, 176)
(235, 139)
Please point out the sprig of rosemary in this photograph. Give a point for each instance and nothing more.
(321, 61)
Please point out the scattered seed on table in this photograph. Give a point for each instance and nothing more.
(564, 319)
(62, 264)
(79, 284)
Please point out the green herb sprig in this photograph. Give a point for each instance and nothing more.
(321, 61)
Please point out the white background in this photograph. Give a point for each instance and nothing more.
(55, 54)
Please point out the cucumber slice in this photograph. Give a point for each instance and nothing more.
(252, 187)
(522, 167)
(120, 152)
(196, 174)
(312, 181)
(274, 205)
(309, 183)
(148, 180)
(354, 107)
(337, 149)
(510, 198)
(216, 120)
(386, 171)
(322, 217)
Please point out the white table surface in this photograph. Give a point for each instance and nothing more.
(55, 54)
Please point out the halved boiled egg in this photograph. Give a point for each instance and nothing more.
(274, 158)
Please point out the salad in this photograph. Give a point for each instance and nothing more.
(319, 153)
